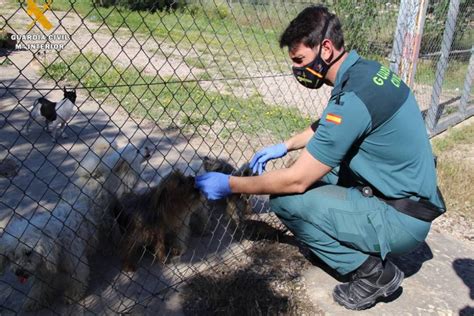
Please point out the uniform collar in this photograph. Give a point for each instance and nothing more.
(350, 60)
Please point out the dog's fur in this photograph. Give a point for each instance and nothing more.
(236, 206)
(158, 219)
(56, 114)
(54, 247)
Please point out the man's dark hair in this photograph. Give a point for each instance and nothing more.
(308, 26)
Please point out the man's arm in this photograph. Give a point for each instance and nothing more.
(259, 160)
(295, 179)
(300, 140)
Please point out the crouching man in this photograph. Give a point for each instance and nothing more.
(365, 183)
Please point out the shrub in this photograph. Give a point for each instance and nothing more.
(143, 5)
(6, 41)
(435, 23)
(212, 9)
(365, 24)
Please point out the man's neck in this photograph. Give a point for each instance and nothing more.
(332, 73)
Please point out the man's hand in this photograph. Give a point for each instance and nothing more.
(214, 185)
(259, 161)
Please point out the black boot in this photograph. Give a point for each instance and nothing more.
(372, 280)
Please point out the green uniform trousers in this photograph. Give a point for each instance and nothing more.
(342, 227)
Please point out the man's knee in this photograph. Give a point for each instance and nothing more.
(282, 205)
(289, 206)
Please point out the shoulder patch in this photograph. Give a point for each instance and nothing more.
(336, 119)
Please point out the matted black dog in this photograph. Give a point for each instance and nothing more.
(56, 114)
(158, 219)
(236, 206)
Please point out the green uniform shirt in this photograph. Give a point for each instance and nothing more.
(372, 125)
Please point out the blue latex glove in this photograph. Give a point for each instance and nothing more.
(214, 185)
(259, 161)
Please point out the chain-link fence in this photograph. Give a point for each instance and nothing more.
(152, 92)
(445, 68)
(433, 53)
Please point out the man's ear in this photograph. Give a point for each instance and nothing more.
(327, 51)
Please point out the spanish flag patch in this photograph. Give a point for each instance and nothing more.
(336, 119)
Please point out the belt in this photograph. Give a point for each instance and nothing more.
(422, 209)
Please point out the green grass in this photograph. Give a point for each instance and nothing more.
(195, 62)
(193, 26)
(454, 137)
(167, 102)
(454, 76)
(456, 169)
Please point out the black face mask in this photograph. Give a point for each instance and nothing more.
(313, 74)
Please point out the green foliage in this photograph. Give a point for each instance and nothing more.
(142, 5)
(368, 25)
(435, 24)
(211, 8)
(357, 22)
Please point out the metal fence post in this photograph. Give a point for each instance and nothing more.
(397, 46)
(467, 86)
(432, 116)
(406, 46)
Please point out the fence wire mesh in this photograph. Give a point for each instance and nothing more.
(154, 92)
(444, 71)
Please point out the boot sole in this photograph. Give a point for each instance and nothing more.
(385, 291)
